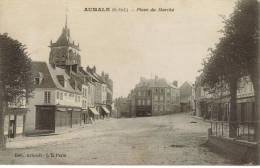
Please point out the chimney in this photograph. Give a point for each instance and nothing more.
(175, 83)
(87, 69)
(94, 69)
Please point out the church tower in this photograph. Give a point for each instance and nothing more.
(64, 52)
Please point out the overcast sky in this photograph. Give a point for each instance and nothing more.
(126, 45)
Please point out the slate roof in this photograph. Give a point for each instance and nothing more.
(186, 83)
(42, 68)
(155, 83)
(49, 74)
(65, 39)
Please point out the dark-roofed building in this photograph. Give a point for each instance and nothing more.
(55, 103)
(65, 93)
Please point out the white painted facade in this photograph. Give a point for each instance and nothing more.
(56, 97)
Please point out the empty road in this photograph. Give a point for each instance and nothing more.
(176, 139)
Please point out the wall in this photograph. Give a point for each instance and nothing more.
(37, 99)
(68, 99)
(244, 152)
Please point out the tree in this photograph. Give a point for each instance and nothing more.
(236, 54)
(15, 76)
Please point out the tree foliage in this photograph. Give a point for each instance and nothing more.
(15, 68)
(235, 54)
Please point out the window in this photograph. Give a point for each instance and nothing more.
(168, 90)
(149, 92)
(58, 95)
(155, 98)
(36, 81)
(139, 93)
(139, 102)
(161, 98)
(155, 108)
(161, 90)
(148, 102)
(61, 95)
(47, 97)
(161, 108)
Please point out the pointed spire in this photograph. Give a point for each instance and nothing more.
(66, 20)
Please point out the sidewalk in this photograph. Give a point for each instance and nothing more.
(61, 135)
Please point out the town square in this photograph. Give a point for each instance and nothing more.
(123, 83)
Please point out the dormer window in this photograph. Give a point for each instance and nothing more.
(61, 80)
(38, 78)
(37, 81)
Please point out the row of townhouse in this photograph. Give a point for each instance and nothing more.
(216, 104)
(151, 97)
(65, 94)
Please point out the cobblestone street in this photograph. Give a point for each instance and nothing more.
(169, 140)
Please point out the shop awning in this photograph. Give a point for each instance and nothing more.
(77, 109)
(94, 111)
(106, 110)
(60, 109)
(84, 111)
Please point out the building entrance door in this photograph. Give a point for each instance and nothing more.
(11, 128)
(45, 118)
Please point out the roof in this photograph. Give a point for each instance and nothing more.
(42, 68)
(65, 39)
(161, 82)
(50, 77)
(186, 83)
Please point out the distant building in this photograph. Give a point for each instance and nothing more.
(122, 108)
(154, 97)
(186, 97)
(109, 90)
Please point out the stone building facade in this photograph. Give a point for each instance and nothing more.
(216, 105)
(154, 97)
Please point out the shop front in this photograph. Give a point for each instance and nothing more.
(94, 114)
(105, 112)
(54, 117)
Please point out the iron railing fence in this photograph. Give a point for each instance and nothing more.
(244, 130)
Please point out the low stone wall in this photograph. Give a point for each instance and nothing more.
(243, 151)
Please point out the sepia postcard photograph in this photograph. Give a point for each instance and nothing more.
(129, 82)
